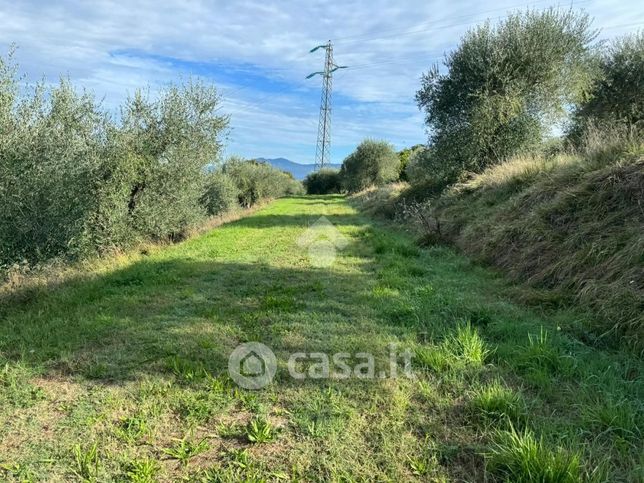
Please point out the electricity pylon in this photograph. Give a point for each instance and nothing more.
(324, 124)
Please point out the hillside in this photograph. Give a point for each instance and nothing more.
(299, 171)
(569, 226)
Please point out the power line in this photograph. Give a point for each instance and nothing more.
(324, 125)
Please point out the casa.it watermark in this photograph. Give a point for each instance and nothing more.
(253, 365)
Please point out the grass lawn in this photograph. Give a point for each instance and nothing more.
(121, 374)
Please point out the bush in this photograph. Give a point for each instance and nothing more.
(323, 182)
(405, 156)
(257, 181)
(373, 163)
(73, 181)
(503, 87)
(617, 96)
(416, 169)
(221, 193)
(50, 166)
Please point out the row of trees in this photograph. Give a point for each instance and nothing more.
(506, 86)
(372, 163)
(500, 93)
(73, 180)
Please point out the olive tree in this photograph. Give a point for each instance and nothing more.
(373, 163)
(617, 95)
(322, 182)
(503, 86)
(74, 180)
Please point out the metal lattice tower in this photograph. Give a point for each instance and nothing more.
(322, 152)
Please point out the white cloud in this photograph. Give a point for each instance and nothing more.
(389, 43)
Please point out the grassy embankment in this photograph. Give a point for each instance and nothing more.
(121, 374)
(571, 226)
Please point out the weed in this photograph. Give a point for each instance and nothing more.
(226, 430)
(185, 449)
(260, 431)
(196, 407)
(617, 417)
(433, 358)
(468, 346)
(15, 388)
(17, 472)
(419, 466)
(132, 429)
(142, 471)
(185, 370)
(240, 458)
(86, 462)
(521, 458)
(496, 401)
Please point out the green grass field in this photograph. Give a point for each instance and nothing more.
(121, 374)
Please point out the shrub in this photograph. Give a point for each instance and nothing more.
(221, 193)
(73, 181)
(322, 182)
(520, 457)
(404, 157)
(169, 141)
(257, 181)
(502, 86)
(416, 169)
(373, 163)
(50, 167)
(617, 96)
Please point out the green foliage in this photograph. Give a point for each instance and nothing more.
(520, 457)
(188, 305)
(220, 194)
(416, 165)
(185, 449)
(496, 402)
(257, 181)
(143, 471)
(167, 143)
(260, 431)
(468, 346)
(502, 85)
(373, 163)
(86, 462)
(74, 181)
(404, 157)
(322, 182)
(571, 222)
(617, 96)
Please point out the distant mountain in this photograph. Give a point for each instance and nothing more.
(299, 171)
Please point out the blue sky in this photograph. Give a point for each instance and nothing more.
(256, 53)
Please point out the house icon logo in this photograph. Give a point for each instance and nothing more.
(252, 365)
(322, 240)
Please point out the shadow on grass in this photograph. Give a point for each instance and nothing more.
(279, 221)
(153, 315)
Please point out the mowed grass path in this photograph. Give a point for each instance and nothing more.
(121, 375)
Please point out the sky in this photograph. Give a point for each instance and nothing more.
(257, 54)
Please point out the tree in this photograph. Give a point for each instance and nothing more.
(323, 182)
(373, 163)
(617, 95)
(503, 86)
(256, 181)
(405, 156)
